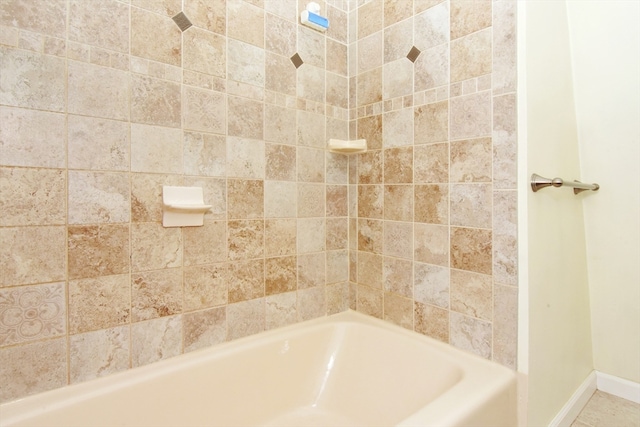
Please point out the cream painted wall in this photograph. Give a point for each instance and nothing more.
(605, 39)
(560, 355)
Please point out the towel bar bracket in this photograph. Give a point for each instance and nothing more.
(539, 182)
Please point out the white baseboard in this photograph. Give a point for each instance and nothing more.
(618, 386)
(579, 399)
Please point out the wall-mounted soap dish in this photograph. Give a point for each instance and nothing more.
(183, 206)
(347, 147)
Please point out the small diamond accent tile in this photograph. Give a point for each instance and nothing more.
(297, 61)
(182, 21)
(413, 54)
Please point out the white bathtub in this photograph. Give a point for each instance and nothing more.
(344, 370)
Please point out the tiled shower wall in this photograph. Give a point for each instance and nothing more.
(103, 102)
(433, 202)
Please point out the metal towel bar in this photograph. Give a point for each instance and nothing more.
(538, 182)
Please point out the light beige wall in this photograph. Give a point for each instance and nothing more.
(559, 317)
(605, 41)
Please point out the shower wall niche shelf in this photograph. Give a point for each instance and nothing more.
(347, 147)
(183, 206)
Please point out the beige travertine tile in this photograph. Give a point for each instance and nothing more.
(245, 158)
(204, 328)
(245, 22)
(370, 201)
(431, 203)
(155, 340)
(245, 318)
(311, 129)
(205, 286)
(312, 303)
(431, 244)
(208, 14)
(32, 196)
(336, 200)
(337, 57)
(245, 239)
(337, 171)
(245, 198)
(505, 237)
(310, 164)
(157, 102)
(504, 76)
(469, 16)
(471, 249)
(281, 8)
(431, 285)
(370, 18)
(205, 154)
(154, 247)
(311, 235)
(281, 37)
(206, 244)
(46, 76)
(398, 128)
(163, 7)
(396, 11)
(204, 110)
(398, 310)
(370, 235)
(32, 313)
(97, 144)
(431, 68)
(311, 83)
(280, 162)
(311, 47)
(32, 138)
(471, 334)
(155, 37)
(104, 24)
(398, 165)
(146, 195)
(99, 303)
(431, 123)
(470, 116)
(204, 52)
(397, 276)
(156, 293)
(369, 87)
(370, 52)
(98, 250)
(280, 74)
(471, 205)
(505, 142)
(472, 294)
(311, 200)
(505, 325)
(156, 149)
(245, 118)
(398, 78)
(280, 124)
(398, 40)
(339, 20)
(99, 353)
(431, 27)
(431, 321)
(398, 202)
(337, 91)
(32, 255)
(471, 160)
(370, 167)
(398, 239)
(471, 56)
(90, 85)
(42, 17)
(280, 275)
(370, 128)
(431, 163)
(604, 409)
(280, 237)
(337, 266)
(215, 194)
(370, 269)
(98, 197)
(281, 310)
(280, 199)
(32, 368)
(370, 301)
(245, 63)
(311, 270)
